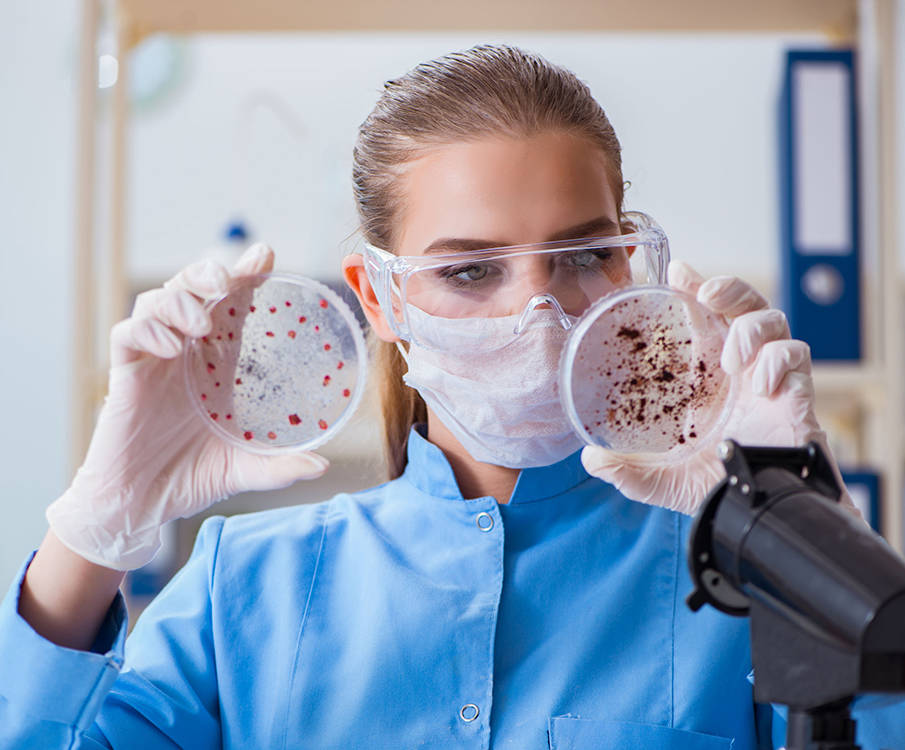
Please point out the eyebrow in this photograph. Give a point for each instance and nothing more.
(602, 225)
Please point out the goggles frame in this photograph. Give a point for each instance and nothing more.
(382, 266)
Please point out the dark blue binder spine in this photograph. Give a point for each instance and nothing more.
(833, 330)
(869, 482)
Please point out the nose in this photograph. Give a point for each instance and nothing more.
(542, 302)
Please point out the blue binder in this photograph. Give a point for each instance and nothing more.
(820, 289)
(864, 487)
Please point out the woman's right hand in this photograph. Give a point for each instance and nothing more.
(151, 458)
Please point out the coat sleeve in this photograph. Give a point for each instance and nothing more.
(159, 690)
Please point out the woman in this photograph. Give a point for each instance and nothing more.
(492, 593)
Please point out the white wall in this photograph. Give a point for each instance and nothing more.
(696, 116)
(37, 56)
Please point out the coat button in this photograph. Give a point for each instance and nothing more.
(484, 521)
(469, 712)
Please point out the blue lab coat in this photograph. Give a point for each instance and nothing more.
(407, 617)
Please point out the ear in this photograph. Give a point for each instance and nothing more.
(357, 278)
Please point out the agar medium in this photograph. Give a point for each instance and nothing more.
(641, 373)
(283, 367)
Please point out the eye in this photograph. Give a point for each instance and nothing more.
(474, 272)
(590, 257)
(583, 258)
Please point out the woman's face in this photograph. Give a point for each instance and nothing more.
(503, 191)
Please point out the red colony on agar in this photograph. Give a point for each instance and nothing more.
(294, 419)
(322, 424)
(248, 435)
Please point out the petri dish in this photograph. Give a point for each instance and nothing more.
(283, 368)
(640, 373)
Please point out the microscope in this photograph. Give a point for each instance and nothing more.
(824, 593)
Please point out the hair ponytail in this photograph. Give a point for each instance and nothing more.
(400, 406)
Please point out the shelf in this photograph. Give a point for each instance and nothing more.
(840, 378)
(837, 18)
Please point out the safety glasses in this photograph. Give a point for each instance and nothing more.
(529, 283)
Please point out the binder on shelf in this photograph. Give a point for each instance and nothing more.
(820, 285)
(864, 487)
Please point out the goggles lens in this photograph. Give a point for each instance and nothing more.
(493, 287)
(515, 281)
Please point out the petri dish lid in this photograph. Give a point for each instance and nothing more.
(641, 373)
(283, 368)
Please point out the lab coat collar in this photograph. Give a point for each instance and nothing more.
(430, 472)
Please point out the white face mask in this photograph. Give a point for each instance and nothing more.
(501, 401)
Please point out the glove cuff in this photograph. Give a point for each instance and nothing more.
(96, 532)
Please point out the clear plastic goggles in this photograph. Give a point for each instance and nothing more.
(525, 284)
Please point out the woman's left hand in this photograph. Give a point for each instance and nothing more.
(774, 406)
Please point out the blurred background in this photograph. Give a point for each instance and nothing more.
(138, 136)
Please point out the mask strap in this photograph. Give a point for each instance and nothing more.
(405, 355)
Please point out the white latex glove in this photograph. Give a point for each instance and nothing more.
(774, 406)
(151, 458)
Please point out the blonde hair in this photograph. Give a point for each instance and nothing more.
(482, 92)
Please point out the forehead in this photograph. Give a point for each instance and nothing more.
(508, 190)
